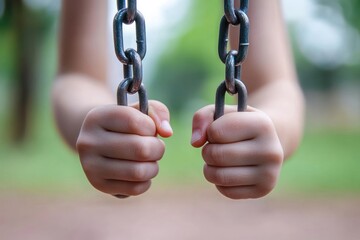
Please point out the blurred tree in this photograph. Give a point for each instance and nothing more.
(349, 9)
(342, 16)
(311, 75)
(25, 79)
(27, 27)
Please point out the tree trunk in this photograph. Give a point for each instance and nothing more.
(24, 76)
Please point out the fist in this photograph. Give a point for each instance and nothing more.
(242, 152)
(119, 148)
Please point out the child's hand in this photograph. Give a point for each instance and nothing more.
(243, 153)
(119, 148)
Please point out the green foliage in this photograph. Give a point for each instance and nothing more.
(326, 77)
(7, 56)
(191, 63)
(180, 80)
(349, 9)
(38, 23)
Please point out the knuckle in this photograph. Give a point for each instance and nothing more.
(140, 188)
(268, 179)
(160, 150)
(265, 124)
(143, 150)
(149, 151)
(215, 133)
(85, 142)
(143, 172)
(276, 156)
(92, 117)
(267, 184)
(139, 173)
(273, 155)
(220, 177)
(134, 123)
(262, 190)
(88, 167)
(92, 173)
(99, 184)
(212, 155)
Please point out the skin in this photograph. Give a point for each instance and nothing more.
(118, 146)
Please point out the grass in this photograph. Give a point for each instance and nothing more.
(327, 161)
(43, 163)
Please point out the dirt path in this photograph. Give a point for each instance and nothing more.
(181, 215)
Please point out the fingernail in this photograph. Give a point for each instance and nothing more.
(165, 125)
(196, 136)
(121, 196)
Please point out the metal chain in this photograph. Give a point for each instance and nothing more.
(130, 58)
(233, 59)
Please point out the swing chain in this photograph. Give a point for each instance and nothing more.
(233, 59)
(131, 9)
(130, 58)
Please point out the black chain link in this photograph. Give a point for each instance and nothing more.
(233, 59)
(130, 58)
(131, 9)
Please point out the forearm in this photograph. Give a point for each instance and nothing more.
(83, 38)
(82, 72)
(73, 96)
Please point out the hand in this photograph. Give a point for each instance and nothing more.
(243, 153)
(119, 148)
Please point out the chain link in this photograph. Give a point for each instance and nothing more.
(233, 59)
(131, 9)
(130, 58)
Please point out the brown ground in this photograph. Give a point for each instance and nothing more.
(181, 215)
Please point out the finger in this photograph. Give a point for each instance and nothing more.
(239, 126)
(245, 192)
(114, 169)
(122, 188)
(130, 147)
(202, 119)
(121, 119)
(246, 153)
(231, 176)
(161, 116)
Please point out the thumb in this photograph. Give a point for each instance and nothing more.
(201, 121)
(161, 116)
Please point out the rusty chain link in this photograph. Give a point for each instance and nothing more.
(233, 59)
(130, 58)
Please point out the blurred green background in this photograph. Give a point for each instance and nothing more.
(327, 52)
